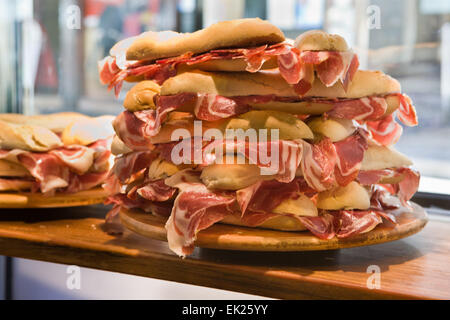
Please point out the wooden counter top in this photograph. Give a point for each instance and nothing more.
(415, 267)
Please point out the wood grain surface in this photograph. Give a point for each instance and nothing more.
(412, 268)
(229, 237)
(59, 200)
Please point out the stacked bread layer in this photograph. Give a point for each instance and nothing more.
(63, 152)
(330, 129)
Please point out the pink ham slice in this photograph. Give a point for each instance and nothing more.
(350, 154)
(406, 112)
(65, 168)
(363, 109)
(355, 222)
(405, 189)
(163, 69)
(297, 68)
(128, 166)
(332, 66)
(278, 158)
(157, 191)
(136, 129)
(385, 131)
(194, 209)
(318, 164)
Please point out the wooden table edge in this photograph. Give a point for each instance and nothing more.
(279, 289)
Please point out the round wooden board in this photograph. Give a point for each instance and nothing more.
(38, 200)
(228, 237)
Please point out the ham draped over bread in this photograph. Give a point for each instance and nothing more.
(335, 175)
(66, 169)
(296, 67)
(136, 129)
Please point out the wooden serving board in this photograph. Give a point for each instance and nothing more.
(37, 200)
(411, 268)
(228, 237)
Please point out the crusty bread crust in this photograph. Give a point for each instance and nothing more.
(229, 84)
(118, 147)
(239, 33)
(318, 40)
(12, 169)
(381, 157)
(86, 131)
(27, 137)
(281, 222)
(140, 96)
(55, 122)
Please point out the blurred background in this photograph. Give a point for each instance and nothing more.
(50, 49)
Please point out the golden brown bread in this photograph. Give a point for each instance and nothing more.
(237, 176)
(239, 33)
(140, 96)
(229, 84)
(55, 122)
(12, 169)
(381, 157)
(318, 40)
(88, 130)
(27, 137)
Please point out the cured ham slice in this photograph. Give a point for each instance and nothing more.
(350, 154)
(385, 131)
(67, 169)
(318, 164)
(369, 177)
(332, 66)
(408, 186)
(406, 112)
(265, 196)
(363, 109)
(405, 189)
(279, 158)
(157, 191)
(127, 167)
(355, 222)
(160, 70)
(194, 209)
(322, 226)
(297, 68)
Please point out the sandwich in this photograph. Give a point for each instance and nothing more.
(240, 45)
(249, 149)
(53, 155)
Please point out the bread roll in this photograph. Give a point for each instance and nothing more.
(238, 33)
(352, 196)
(229, 84)
(318, 40)
(381, 157)
(27, 137)
(12, 169)
(55, 122)
(87, 131)
(335, 129)
(140, 96)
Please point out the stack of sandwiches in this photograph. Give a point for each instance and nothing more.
(236, 124)
(55, 154)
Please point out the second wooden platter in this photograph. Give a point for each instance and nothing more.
(228, 237)
(38, 200)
